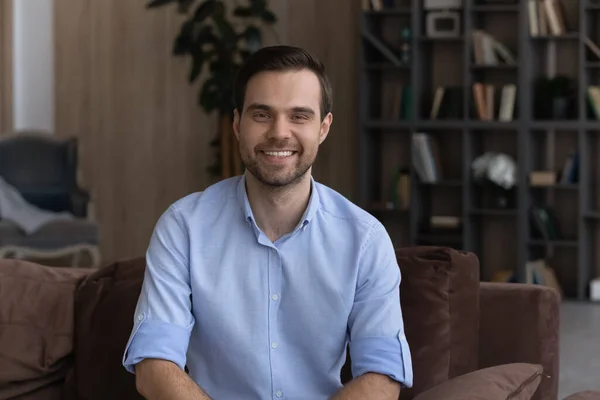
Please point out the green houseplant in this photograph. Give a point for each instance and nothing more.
(218, 36)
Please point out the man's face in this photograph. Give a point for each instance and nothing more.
(280, 128)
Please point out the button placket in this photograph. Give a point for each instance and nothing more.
(274, 293)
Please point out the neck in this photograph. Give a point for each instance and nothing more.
(277, 210)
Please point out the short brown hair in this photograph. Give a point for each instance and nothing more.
(282, 58)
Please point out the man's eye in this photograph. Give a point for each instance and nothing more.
(299, 117)
(261, 115)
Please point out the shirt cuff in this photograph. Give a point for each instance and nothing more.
(384, 355)
(156, 339)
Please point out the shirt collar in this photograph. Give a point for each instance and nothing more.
(309, 213)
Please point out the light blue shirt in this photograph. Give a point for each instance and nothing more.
(253, 319)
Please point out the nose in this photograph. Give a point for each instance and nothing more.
(280, 129)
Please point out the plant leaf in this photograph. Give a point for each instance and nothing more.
(245, 54)
(243, 11)
(227, 32)
(205, 36)
(258, 6)
(158, 3)
(183, 41)
(268, 17)
(219, 9)
(197, 64)
(184, 5)
(209, 95)
(204, 10)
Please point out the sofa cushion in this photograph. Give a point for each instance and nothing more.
(36, 324)
(509, 381)
(439, 294)
(104, 308)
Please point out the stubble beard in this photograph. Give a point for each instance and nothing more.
(275, 176)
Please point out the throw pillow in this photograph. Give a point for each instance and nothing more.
(517, 381)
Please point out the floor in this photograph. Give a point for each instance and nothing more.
(579, 348)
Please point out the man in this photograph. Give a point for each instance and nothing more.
(258, 283)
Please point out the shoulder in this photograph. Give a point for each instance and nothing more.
(214, 199)
(215, 195)
(336, 206)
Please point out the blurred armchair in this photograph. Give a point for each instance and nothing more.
(43, 169)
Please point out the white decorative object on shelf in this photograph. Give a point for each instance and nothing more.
(595, 290)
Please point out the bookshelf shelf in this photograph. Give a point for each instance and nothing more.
(390, 12)
(386, 67)
(496, 8)
(428, 39)
(495, 67)
(391, 125)
(558, 243)
(494, 212)
(564, 36)
(444, 183)
(557, 186)
(538, 132)
(592, 216)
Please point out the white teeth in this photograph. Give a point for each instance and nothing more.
(279, 153)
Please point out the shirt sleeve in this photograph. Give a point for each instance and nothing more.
(377, 339)
(163, 318)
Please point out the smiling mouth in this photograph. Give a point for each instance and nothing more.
(279, 153)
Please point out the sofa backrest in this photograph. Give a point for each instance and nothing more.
(104, 308)
(439, 293)
(36, 326)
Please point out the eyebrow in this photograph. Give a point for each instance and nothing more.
(265, 107)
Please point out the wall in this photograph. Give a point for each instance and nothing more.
(6, 67)
(33, 67)
(144, 141)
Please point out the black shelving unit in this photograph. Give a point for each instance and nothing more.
(503, 237)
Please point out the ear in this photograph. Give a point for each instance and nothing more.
(236, 124)
(325, 125)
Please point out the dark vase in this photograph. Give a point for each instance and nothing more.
(560, 108)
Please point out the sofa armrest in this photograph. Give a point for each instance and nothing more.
(520, 323)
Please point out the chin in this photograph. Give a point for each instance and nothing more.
(278, 178)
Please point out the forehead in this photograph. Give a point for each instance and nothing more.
(284, 89)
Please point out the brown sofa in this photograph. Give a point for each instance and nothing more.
(63, 331)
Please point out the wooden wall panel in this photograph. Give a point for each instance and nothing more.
(6, 68)
(330, 30)
(144, 139)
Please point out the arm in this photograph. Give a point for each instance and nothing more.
(156, 350)
(379, 353)
(163, 380)
(369, 386)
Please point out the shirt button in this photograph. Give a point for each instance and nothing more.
(275, 297)
(279, 393)
(274, 345)
(140, 317)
